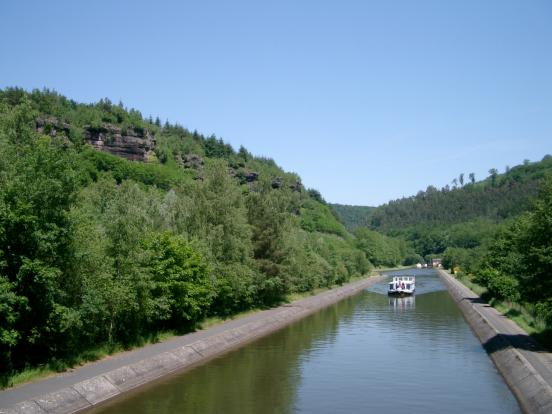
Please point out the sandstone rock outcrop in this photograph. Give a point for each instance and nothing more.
(193, 161)
(277, 182)
(132, 144)
(52, 126)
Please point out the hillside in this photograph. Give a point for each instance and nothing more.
(114, 227)
(496, 198)
(495, 234)
(353, 216)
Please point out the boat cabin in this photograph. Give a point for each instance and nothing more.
(402, 285)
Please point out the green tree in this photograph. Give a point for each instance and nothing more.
(10, 303)
(38, 182)
(213, 212)
(269, 217)
(493, 172)
(379, 249)
(535, 246)
(181, 283)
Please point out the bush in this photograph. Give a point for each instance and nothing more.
(412, 259)
(499, 286)
(544, 311)
(181, 277)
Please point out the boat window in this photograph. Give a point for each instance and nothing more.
(408, 286)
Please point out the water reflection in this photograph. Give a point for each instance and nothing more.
(402, 304)
(263, 377)
(347, 358)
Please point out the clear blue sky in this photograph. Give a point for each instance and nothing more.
(367, 100)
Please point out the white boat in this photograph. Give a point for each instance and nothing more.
(402, 286)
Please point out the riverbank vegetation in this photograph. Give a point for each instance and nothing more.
(99, 252)
(496, 236)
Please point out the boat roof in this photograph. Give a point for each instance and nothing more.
(403, 279)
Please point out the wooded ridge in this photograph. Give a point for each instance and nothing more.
(114, 228)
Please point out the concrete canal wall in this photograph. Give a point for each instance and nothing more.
(95, 383)
(525, 366)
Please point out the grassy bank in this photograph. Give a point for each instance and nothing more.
(103, 351)
(522, 314)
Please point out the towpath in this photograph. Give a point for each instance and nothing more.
(95, 382)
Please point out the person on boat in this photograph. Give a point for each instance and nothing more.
(402, 285)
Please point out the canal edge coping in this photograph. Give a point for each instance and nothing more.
(532, 391)
(100, 388)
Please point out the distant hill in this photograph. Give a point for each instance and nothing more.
(497, 197)
(353, 216)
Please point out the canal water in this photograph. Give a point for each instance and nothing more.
(366, 354)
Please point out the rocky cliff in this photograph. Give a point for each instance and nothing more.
(132, 144)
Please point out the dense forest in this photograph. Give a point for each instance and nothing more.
(498, 231)
(497, 197)
(353, 216)
(115, 227)
(467, 215)
(158, 230)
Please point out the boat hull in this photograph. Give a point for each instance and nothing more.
(400, 293)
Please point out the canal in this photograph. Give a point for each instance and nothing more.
(367, 353)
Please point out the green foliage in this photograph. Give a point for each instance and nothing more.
(412, 259)
(216, 148)
(535, 247)
(98, 251)
(121, 169)
(181, 282)
(544, 310)
(379, 249)
(213, 211)
(499, 285)
(235, 288)
(95, 249)
(504, 196)
(519, 260)
(459, 258)
(10, 303)
(353, 216)
(319, 217)
(269, 216)
(491, 228)
(38, 182)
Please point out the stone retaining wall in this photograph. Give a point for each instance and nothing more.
(533, 392)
